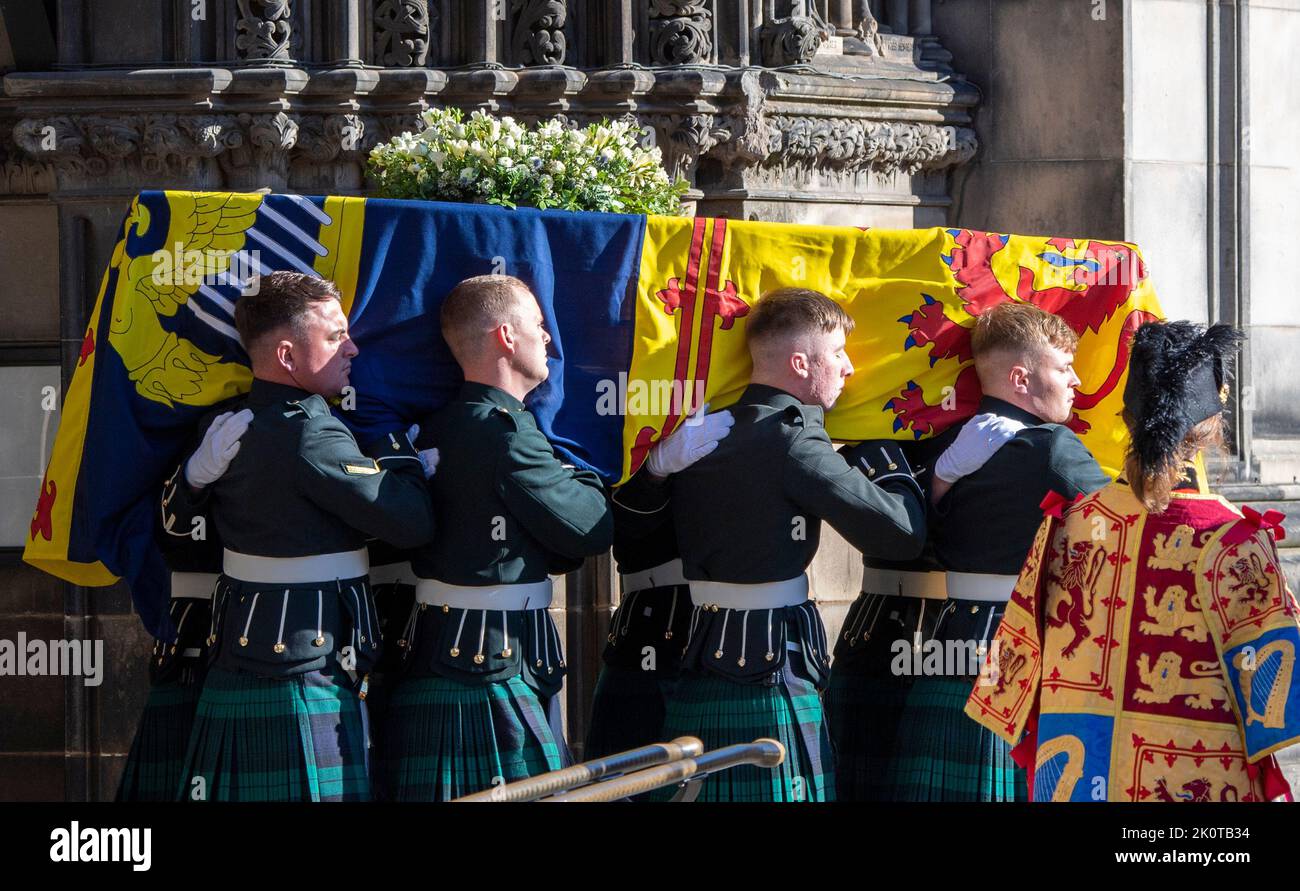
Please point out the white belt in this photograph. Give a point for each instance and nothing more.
(767, 595)
(393, 574)
(295, 570)
(197, 585)
(664, 575)
(981, 586)
(905, 583)
(527, 595)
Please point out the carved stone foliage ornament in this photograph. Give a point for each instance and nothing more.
(880, 146)
(169, 147)
(263, 30)
(794, 39)
(538, 36)
(681, 32)
(404, 30)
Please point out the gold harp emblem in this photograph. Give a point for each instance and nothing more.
(1050, 771)
(1266, 676)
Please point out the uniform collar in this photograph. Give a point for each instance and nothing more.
(472, 391)
(264, 392)
(762, 394)
(995, 406)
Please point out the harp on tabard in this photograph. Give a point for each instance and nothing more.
(1058, 768)
(1265, 679)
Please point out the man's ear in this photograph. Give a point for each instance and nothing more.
(799, 364)
(1018, 377)
(505, 336)
(284, 354)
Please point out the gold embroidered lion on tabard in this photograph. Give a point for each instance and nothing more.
(1165, 681)
(1171, 615)
(1177, 550)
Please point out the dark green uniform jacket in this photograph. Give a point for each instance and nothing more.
(751, 511)
(508, 510)
(987, 520)
(301, 486)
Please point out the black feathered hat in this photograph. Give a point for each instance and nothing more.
(1177, 377)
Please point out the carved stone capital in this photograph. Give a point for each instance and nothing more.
(538, 33)
(263, 31)
(403, 32)
(681, 32)
(794, 39)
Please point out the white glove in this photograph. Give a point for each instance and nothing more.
(978, 440)
(690, 442)
(429, 461)
(219, 447)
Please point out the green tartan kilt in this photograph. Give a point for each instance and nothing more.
(445, 739)
(723, 713)
(627, 710)
(908, 739)
(154, 764)
(296, 738)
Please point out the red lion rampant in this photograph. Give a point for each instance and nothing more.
(1110, 271)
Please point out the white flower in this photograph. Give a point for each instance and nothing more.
(556, 167)
(589, 173)
(467, 175)
(487, 184)
(505, 162)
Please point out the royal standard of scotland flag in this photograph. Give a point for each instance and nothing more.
(647, 317)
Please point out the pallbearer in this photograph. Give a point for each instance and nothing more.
(478, 702)
(748, 519)
(178, 665)
(294, 635)
(643, 650)
(911, 644)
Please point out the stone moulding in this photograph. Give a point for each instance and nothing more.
(743, 121)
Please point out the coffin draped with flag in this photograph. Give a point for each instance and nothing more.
(647, 316)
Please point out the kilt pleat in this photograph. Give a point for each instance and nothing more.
(723, 713)
(299, 738)
(445, 739)
(156, 759)
(908, 739)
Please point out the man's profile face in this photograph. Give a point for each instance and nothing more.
(322, 354)
(1051, 384)
(531, 339)
(828, 367)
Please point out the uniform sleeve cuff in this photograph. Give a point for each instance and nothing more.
(390, 448)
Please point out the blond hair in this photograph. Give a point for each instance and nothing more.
(1021, 329)
(795, 311)
(478, 305)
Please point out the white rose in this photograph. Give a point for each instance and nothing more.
(556, 167)
(505, 162)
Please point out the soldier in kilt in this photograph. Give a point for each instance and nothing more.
(643, 650)
(897, 695)
(294, 633)
(748, 519)
(178, 664)
(478, 701)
